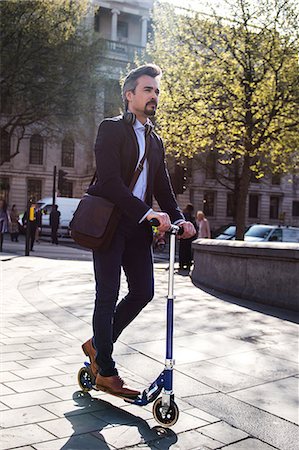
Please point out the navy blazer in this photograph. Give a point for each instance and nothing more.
(116, 152)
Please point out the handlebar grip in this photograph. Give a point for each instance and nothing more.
(181, 231)
(154, 222)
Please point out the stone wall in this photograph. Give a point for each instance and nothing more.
(263, 272)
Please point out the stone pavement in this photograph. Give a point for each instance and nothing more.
(235, 379)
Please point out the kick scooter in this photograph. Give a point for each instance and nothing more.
(165, 410)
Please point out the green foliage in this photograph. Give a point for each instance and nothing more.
(48, 59)
(231, 86)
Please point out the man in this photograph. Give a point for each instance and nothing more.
(54, 223)
(119, 148)
(30, 222)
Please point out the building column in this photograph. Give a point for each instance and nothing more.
(114, 13)
(143, 31)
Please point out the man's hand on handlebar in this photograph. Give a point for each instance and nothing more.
(189, 230)
(162, 217)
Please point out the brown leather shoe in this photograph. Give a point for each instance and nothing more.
(90, 351)
(116, 386)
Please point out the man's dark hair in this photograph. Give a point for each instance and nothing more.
(130, 82)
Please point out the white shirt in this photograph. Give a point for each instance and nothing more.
(141, 184)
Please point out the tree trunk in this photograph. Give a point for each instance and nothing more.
(242, 197)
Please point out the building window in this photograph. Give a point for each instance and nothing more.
(67, 189)
(209, 203)
(230, 205)
(122, 30)
(295, 209)
(276, 178)
(5, 146)
(274, 207)
(34, 190)
(36, 154)
(4, 188)
(211, 162)
(67, 152)
(253, 206)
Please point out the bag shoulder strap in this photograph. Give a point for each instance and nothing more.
(138, 169)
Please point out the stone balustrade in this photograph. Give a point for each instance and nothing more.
(264, 272)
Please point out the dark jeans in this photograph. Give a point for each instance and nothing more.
(131, 250)
(54, 237)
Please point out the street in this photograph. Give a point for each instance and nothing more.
(235, 378)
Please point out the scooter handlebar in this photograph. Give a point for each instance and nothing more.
(174, 229)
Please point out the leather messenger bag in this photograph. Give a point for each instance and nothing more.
(96, 218)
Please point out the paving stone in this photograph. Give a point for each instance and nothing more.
(3, 407)
(27, 399)
(222, 379)
(138, 412)
(22, 416)
(258, 365)
(8, 376)
(34, 384)
(260, 424)
(74, 424)
(37, 373)
(116, 416)
(276, 397)
(10, 365)
(185, 422)
(127, 435)
(20, 436)
(14, 348)
(82, 442)
(203, 415)
(72, 359)
(15, 356)
(249, 444)
(72, 407)
(70, 369)
(66, 379)
(17, 340)
(40, 363)
(4, 390)
(47, 345)
(190, 440)
(64, 392)
(223, 432)
(185, 386)
(47, 353)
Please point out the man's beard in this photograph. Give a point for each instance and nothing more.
(149, 112)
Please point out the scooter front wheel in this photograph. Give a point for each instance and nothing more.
(85, 379)
(166, 419)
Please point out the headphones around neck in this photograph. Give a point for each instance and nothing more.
(130, 119)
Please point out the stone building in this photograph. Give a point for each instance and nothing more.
(123, 25)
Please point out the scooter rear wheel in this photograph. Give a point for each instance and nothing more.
(85, 379)
(168, 419)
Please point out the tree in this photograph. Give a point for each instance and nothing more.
(48, 62)
(231, 86)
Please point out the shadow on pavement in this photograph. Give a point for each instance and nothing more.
(105, 413)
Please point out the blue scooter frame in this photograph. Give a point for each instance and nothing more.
(165, 410)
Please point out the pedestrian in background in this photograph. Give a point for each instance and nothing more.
(54, 223)
(14, 225)
(203, 225)
(30, 222)
(38, 215)
(185, 247)
(4, 221)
